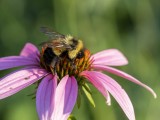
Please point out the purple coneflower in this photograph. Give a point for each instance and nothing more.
(57, 93)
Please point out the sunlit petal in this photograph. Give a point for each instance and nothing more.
(114, 88)
(19, 80)
(124, 75)
(111, 57)
(99, 86)
(65, 98)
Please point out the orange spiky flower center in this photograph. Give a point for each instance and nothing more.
(64, 66)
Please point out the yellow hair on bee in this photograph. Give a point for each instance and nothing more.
(68, 39)
(73, 53)
(57, 51)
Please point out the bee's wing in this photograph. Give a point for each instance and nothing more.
(51, 34)
(60, 44)
(56, 39)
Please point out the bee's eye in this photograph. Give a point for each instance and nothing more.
(80, 55)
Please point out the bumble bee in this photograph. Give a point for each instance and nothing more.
(60, 46)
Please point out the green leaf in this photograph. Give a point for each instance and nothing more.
(88, 93)
(79, 98)
(71, 117)
(85, 85)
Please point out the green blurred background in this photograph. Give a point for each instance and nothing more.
(132, 26)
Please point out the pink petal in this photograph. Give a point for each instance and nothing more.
(114, 88)
(19, 80)
(30, 51)
(16, 61)
(65, 98)
(124, 75)
(45, 96)
(100, 87)
(108, 98)
(111, 57)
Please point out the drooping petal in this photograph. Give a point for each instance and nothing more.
(101, 88)
(30, 51)
(98, 79)
(111, 57)
(108, 98)
(124, 75)
(19, 80)
(65, 98)
(16, 61)
(45, 96)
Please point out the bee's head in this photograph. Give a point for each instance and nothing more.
(72, 42)
(76, 50)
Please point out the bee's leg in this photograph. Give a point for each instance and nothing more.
(73, 64)
(52, 70)
(53, 64)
